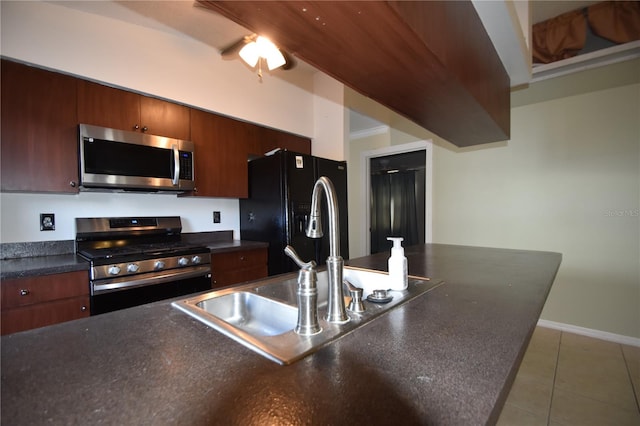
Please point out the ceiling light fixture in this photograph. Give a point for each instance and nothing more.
(262, 49)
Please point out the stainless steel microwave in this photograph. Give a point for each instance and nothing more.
(113, 159)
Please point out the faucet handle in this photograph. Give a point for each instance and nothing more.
(356, 304)
(289, 251)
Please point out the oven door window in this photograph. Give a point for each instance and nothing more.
(122, 299)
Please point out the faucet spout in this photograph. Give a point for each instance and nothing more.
(336, 311)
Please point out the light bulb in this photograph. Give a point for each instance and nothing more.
(250, 53)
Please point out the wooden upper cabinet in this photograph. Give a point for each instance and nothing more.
(119, 109)
(222, 149)
(224, 146)
(39, 130)
(41, 111)
(107, 106)
(165, 118)
(271, 139)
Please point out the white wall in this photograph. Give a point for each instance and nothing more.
(330, 118)
(149, 61)
(567, 181)
(20, 219)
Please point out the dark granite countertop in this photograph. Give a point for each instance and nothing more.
(41, 265)
(57, 264)
(448, 357)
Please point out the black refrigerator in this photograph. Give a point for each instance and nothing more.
(279, 204)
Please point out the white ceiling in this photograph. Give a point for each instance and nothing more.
(185, 17)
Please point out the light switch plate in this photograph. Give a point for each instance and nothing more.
(47, 222)
(216, 217)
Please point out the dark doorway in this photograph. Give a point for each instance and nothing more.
(397, 199)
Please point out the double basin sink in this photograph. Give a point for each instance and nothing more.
(262, 315)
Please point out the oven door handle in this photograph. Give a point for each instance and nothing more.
(176, 165)
(123, 283)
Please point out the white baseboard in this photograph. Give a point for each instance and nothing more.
(596, 334)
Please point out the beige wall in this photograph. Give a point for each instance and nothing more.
(567, 181)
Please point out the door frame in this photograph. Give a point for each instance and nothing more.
(365, 156)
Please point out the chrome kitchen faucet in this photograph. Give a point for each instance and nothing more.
(336, 311)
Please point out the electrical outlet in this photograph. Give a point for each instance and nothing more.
(216, 217)
(47, 222)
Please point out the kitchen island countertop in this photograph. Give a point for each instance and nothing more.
(448, 357)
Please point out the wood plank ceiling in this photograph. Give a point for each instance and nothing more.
(431, 62)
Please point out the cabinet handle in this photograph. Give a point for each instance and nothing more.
(24, 292)
(242, 258)
(136, 126)
(72, 184)
(145, 128)
(83, 309)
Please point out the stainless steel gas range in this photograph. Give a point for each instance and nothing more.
(138, 260)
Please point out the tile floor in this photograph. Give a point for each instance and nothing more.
(566, 379)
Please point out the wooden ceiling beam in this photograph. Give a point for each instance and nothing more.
(430, 61)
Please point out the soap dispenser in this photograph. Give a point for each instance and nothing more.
(398, 279)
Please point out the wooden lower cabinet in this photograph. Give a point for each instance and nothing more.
(38, 301)
(238, 266)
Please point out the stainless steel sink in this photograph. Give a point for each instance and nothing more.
(262, 315)
(252, 313)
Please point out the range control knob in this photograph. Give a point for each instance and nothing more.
(114, 270)
(196, 259)
(183, 261)
(132, 267)
(159, 264)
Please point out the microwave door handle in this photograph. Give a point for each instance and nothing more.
(176, 165)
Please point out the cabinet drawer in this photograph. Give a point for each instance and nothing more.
(27, 291)
(225, 278)
(238, 259)
(42, 314)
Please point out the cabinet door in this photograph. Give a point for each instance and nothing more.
(164, 118)
(43, 314)
(39, 130)
(222, 149)
(108, 107)
(119, 109)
